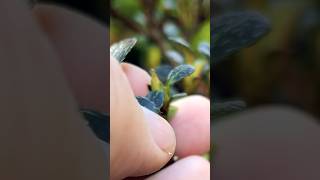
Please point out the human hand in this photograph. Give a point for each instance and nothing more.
(142, 142)
(191, 124)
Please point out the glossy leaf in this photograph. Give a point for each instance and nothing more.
(121, 49)
(157, 97)
(145, 102)
(179, 73)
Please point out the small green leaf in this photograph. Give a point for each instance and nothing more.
(157, 97)
(172, 112)
(156, 84)
(145, 102)
(121, 49)
(179, 73)
(178, 96)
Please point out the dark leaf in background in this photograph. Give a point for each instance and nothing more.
(179, 72)
(99, 123)
(157, 97)
(234, 31)
(145, 102)
(225, 108)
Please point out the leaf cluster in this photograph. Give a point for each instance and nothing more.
(160, 96)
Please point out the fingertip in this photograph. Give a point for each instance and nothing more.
(138, 79)
(191, 124)
(161, 131)
(189, 168)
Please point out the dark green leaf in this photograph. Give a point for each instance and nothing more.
(234, 31)
(145, 102)
(172, 112)
(121, 49)
(157, 97)
(179, 73)
(163, 71)
(98, 122)
(225, 108)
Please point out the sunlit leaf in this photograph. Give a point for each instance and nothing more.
(121, 49)
(204, 48)
(171, 29)
(153, 57)
(156, 84)
(175, 56)
(172, 112)
(202, 35)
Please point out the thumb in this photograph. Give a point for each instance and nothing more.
(141, 142)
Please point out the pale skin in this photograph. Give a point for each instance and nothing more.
(51, 59)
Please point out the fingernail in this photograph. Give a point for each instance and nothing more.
(161, 131)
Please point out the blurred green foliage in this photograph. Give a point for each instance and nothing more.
(283, 67)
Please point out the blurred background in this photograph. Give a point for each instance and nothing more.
(283, 67)
(98, 9)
